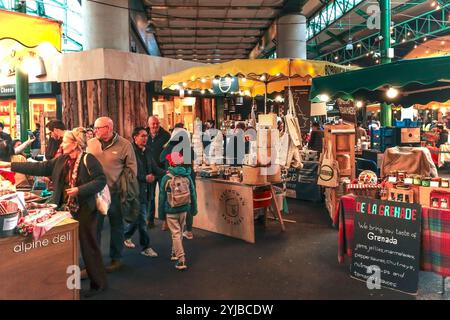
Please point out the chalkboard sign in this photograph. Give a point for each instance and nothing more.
(387, 243)
(302, 105)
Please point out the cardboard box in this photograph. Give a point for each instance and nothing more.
(410, 135)
(267, 138)
(268, 120)
(265, 155)
(253, 176)
(273, 173)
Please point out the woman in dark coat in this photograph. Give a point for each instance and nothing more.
(77, 177)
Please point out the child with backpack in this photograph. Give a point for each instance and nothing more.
(177, 196)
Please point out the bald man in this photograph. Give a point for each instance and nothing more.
(157, 138)
(115, 154)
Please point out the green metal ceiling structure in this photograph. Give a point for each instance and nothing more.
(434, 22)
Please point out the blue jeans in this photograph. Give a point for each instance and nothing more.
(152, 205)
(141, 225)
(117, 229)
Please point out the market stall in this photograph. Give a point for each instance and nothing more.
(256, 180)
(39, 247)
(228, 207)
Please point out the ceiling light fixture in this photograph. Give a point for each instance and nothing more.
(392, 93)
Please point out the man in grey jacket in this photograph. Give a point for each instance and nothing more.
(115, 153)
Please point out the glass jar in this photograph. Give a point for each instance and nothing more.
(426, 182)
(409, 179)
(401, 175)
(445, 183)
(435, 182)
(417, 180)
(444, 204)
(435, 202)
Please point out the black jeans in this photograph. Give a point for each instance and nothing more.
(140, 224)
(90, 251)
(152, 205)
(117, 228)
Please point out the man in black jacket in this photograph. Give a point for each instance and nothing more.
(148, 171)
(57, 130)
(157, 138)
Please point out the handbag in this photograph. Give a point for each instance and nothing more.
(102, 198)
(328, 170)
(292, 124)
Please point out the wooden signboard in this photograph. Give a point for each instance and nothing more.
(302, 105)
(347, 110)
(225, 208)
(40, 269)
(387, 237)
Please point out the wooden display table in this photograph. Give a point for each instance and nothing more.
(227, 208)
(37, 269)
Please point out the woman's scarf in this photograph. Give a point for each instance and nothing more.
(72, 203)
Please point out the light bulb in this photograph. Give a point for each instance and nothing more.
(392, 93)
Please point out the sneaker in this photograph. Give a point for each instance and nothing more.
(173, 257)
(92, 292)
(181, 265)
(129, 244)
(188, 235)
(149, 252)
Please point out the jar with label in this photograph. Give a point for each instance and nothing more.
(445, 183)
(417, 180)
(444, 204)
(426, 181)
(392, 177)
(435, 202)
(409, 179)
(401, 175)
(435, 182)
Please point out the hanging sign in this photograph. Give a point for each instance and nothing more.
(226, 85)
(386, 245)
(302, 105)
(347, 110)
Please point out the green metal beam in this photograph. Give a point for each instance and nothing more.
(329, 14)
(355, 29)
(361, 13)
(335, 37)
(427, 24)
(343, 34)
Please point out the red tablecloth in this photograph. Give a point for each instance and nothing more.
(435, 236)
(434, 154)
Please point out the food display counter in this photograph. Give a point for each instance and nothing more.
(40, 269)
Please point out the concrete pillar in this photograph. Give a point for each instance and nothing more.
(291, 36)
(106, 25)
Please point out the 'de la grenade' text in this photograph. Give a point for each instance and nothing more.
(386, 210)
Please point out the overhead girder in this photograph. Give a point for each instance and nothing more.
(428, 24)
